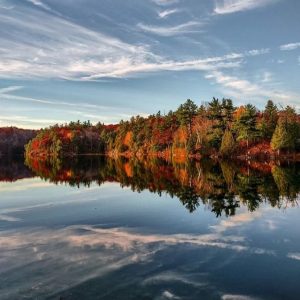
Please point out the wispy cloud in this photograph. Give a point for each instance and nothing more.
(3, 6)
(165, 13)
(26, 120)
(39, 3)
(232, 6)
(241, 88)
(295, 255)
(288, 47)
(188, 27)
(127, 67)
(10, 89)
(256, 52)
(165, 2)
(8, 218)
(83, 111)
(39, 52)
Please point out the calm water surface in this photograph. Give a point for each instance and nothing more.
(100, 229)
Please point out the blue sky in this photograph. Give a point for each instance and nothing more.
(105, 60)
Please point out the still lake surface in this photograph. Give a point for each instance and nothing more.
(98, 229)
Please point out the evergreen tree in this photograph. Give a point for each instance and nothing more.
(269, 120)
(221, 113)
(287, 131)
(215, 115)
(245, 126)
(185, 113)
(227, 113)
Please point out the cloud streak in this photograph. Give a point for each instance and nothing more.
(165, 2)
(223, 7)
(188, 27)
(289, 47)
(237, 87)
(166, 13)
(40, 4)
(79, 53)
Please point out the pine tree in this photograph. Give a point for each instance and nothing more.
(245, 126)
(221, 113)
(185, 113)
(269, 120)
(286, 132)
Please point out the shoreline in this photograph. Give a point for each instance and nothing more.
(293, 157)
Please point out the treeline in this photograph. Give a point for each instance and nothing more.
(70, 139)
(215, 129)
(12, 140)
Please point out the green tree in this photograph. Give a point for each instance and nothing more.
(245, 126)
(227, 112)
(280, 139)
(228, 144)
(185, 113)
(221, 113)
(269, 120)
(286, 132)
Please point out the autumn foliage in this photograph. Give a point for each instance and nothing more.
(217, 129)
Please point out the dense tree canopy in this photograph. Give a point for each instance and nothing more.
(217, 128)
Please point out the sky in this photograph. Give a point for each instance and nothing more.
(106, 60)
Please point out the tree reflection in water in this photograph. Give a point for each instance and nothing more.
(223, 186)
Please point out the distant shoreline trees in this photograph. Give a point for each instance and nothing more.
(216, 129)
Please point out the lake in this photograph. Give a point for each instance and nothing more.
(93, 228)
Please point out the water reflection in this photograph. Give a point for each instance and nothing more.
(12, 169)
(103, 241)
(222, 186)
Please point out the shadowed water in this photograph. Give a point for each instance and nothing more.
(92, 228)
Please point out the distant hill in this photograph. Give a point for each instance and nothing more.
(13, 140)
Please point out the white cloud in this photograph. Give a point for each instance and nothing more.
(10, 89)
(289, 47)
(295, 256)
(184, 28)
(28, 122)
(9, 218)
(233, 6)
(78, 53)
(126, 68)
(165, 2)
(86, 111)
(167, 12)
(29, 50)
(256, 52)
(239, 88)
(39, 3)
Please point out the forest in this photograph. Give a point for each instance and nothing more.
(215, 129)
